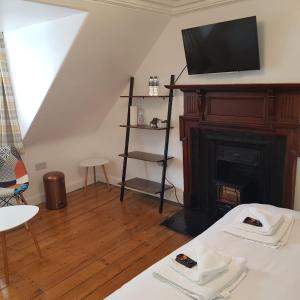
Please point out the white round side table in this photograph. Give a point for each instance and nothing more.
(94, 162)
(12, 217)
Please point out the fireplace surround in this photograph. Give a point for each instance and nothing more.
(271, 112)
(249, 132)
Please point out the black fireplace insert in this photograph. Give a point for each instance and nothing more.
(231, 168)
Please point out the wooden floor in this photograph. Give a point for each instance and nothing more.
(90, 248)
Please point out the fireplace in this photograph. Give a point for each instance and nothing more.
(240, 145)
(230, 168)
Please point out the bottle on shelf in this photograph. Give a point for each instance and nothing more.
(151, 87)
(133, 115)
(140, 117)
(155, 86)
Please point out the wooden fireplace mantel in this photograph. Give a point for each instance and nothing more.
(264, 108)
(238, 86)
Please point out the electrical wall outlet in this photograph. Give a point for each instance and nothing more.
(40, 166)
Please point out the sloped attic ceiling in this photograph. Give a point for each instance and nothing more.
(109, 48)
(37, 38)
(18, 13)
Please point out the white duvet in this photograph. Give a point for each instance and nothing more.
(274, 274)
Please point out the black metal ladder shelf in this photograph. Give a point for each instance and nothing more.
(140, 184)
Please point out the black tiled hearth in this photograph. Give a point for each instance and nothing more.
(189, 222)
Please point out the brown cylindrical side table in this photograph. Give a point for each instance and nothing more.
(55, 190)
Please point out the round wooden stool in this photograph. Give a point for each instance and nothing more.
(94, 162)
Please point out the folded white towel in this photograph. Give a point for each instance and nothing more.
(279, 238)
(210, 263)
(270, 222)
(225, 282)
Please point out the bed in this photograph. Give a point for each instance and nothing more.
(274, 274)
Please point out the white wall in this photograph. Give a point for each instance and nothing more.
(61, 155)
(279, 46)
(111, 45)
(78, 92)
(35, 54)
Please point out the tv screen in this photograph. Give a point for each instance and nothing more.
(222, 47)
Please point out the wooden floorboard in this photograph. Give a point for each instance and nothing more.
(84, 246)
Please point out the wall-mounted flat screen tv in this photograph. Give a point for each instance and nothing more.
(222, 47)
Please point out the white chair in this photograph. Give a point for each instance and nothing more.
(10, 218)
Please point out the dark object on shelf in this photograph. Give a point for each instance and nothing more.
(145, 127)
(55, 190)
(155, 121)
(145, 156)
(146, 96)
(190, 222)
(139, 184)
(145, 185)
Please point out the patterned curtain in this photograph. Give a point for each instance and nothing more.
(10, 133)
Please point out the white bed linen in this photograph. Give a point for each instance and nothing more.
(274, 274)
(277, 240)
(210, 263)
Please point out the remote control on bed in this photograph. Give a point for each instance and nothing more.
(185, 261)
(253, 222)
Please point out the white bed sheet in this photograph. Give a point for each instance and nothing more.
(274, 274)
